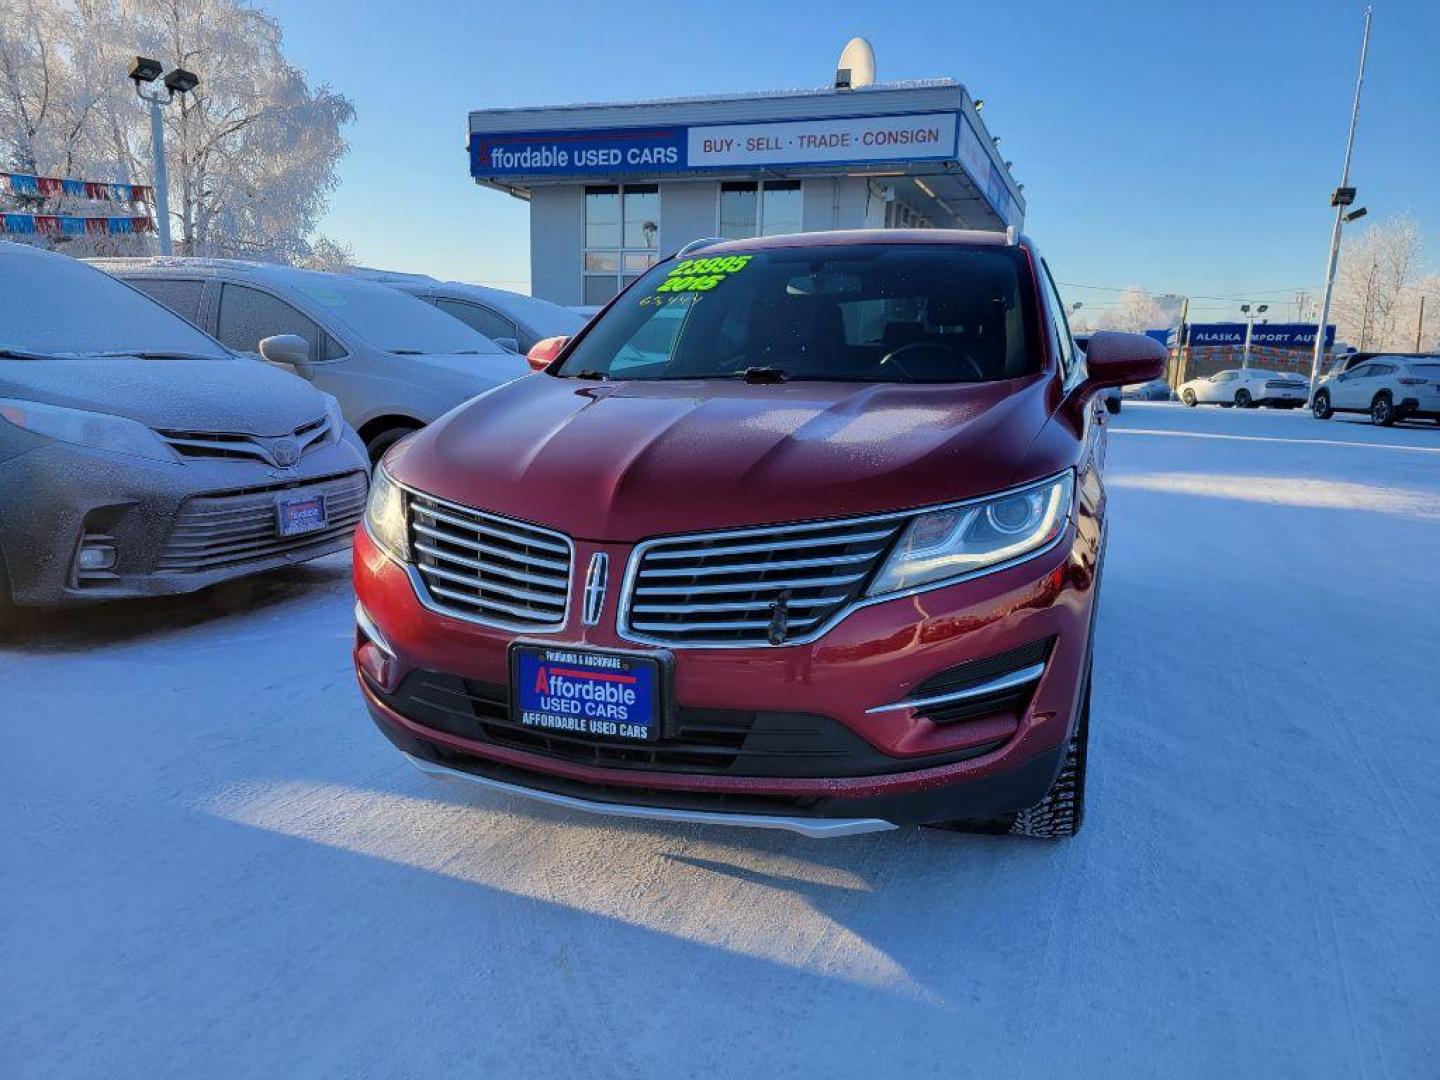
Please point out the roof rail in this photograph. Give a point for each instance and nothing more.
(696, 245)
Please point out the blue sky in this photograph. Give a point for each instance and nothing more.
(1188, 148)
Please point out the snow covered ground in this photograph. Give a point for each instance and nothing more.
(211, 864)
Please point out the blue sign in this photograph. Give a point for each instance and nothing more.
(1266, 335)
(560, 153)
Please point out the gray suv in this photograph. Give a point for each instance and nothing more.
(394, 362)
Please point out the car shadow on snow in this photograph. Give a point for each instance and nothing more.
(118, 621)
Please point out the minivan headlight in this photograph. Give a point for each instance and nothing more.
(99, 431)
(962, 540)
(385, 515)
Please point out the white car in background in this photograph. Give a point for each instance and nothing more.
(393, 362)
(1246, 388)
(512, 320)
(1388, 388)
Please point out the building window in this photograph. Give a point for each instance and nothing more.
(750, 209)
(622, 237)
(900, 215)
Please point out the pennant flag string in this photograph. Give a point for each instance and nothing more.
(73, 224)
(50, 186)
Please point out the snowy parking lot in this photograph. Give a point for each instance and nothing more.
(213, 865)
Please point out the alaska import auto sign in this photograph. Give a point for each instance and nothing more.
(849, 140)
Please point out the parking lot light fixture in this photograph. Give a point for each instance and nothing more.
(144, 72)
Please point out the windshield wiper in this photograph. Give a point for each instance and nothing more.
(590, 373)
(156, 354)
(8, 353)
(763, 375)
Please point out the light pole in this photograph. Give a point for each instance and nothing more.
(1342, 197)
(1250, 317)
(143, 72)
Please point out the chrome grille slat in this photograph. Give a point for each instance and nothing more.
(553, 580)
(489, 549)
(479, 566)
(727, 588)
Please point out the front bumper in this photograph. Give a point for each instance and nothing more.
(874, 657)
(57, 493)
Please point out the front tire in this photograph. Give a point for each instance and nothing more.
(1320, 408)
(383, 440)
(1382, 410)
(1188, 397)
(1061, 812)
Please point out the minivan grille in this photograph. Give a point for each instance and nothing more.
(283, 450)
(487, 568)
(727, 588)
(216, 531)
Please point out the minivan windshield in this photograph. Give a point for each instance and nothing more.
(391, 320)
(57, 305)
(921, 313)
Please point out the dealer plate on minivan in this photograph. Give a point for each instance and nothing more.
(300, 514)
(589, 694)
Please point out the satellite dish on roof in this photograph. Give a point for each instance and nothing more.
(857, 65)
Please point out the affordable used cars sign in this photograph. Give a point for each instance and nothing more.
(850, 140)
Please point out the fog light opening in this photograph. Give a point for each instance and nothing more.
(95, 560)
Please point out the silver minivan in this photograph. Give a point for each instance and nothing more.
(394, 362)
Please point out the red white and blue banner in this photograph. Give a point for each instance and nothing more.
(47, 187)
(73, 225)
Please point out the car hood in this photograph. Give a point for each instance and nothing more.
(224, 395)
(486, 369)
(622, 461)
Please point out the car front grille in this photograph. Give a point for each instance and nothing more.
(212, 532)
(489, 569)
(713, 741)
(730, 588)
(282, 450)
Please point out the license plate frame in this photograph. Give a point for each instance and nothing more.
(301, 514)
(652, 673)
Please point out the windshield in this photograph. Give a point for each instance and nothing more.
(391, 320)
(55, 304)
(882, 313)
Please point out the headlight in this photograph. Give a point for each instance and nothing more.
(965, 539)
(385, 515)
(99, 431)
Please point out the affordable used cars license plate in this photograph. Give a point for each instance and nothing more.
(300, 514)
(590, 694)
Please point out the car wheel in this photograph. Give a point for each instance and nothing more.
(1189, 398)
(1243, 400)
(1382, 411)
(383, 440)
(8, 611)
(1320, 407)
(1062, 811)
(1112, 405)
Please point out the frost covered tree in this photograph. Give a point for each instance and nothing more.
(1378, 285)
(251, 152)
(1134, 312)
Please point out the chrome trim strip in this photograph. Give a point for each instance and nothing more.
(993, 686)
(624, 630)
(370, 630)
(816, 828)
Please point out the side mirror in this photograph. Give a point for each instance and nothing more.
(289, 349)
(1120, 359)
(509, 344)
(543, 353)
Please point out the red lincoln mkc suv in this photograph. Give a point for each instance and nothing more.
(801, 532)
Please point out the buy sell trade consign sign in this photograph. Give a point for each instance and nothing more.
(856, 140)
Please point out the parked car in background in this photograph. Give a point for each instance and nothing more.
(1154, 390)
(1388, 387)
(1246, 388)
(139, 457)
(512, 320)
(394, 362)
(803, 532)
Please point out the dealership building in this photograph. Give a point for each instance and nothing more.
(614, 187)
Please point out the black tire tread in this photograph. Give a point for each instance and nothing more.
(1062, 811)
